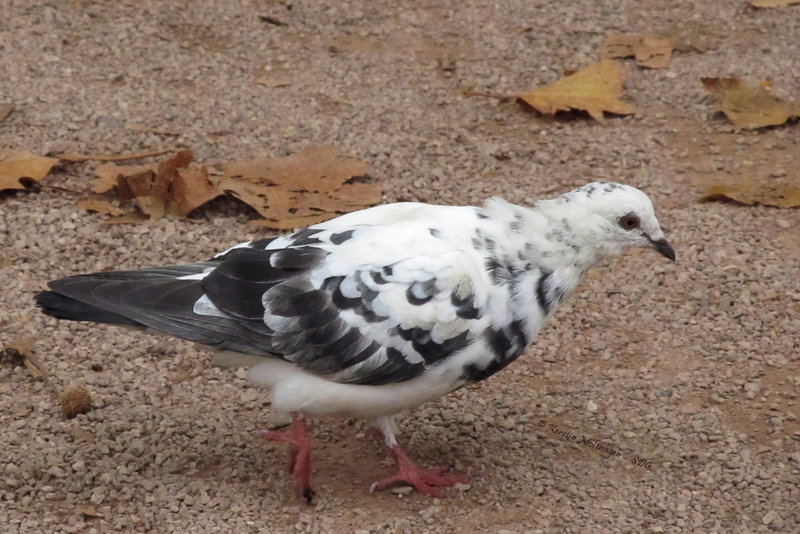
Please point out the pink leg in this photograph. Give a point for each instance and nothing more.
(300, 453)
(428, 481)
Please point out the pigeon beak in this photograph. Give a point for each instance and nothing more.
(664, 248)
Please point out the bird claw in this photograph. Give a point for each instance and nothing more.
(307, 493)
(428, 481)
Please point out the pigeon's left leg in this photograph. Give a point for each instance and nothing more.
(428, 481)
(300, 460)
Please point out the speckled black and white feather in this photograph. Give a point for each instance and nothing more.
(414, 298)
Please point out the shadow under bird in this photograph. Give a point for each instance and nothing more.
(379, 310)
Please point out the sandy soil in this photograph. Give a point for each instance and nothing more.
(690, 371)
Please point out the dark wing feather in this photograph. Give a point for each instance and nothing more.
(156, 298)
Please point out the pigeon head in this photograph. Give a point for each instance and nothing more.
(612, 218)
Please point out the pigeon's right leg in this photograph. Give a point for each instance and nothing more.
(300, 450)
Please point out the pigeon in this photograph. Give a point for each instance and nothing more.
(376, 311)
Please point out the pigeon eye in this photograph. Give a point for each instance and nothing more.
(629, 222)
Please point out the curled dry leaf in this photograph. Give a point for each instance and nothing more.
(109, 174)
(651, 51)
(301, 189)
(747, 106)
(20, 352)
(595, 89)
(766, 193)
(19, 170)
(175, 186)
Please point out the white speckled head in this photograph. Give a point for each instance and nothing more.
(610, 218)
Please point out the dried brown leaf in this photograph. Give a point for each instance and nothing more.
(595, 89)
(5, 110)
(747, 106)
(99, 206)
(20, 352)
(23, 167)
(175, 186)
(108, 174)
(191, 188)
(766, 193)
(150, 190)
(773, 3)
(313, 185)
(651, 51)
(23, 345)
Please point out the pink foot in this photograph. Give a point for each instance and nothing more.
(428, 481)
(300, 453)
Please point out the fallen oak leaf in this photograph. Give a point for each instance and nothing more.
(766, 193)
(595, 89)
(20, 170)
(651, 51)
(747, 106)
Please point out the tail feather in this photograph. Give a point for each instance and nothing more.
(63, 307)
(158, 298)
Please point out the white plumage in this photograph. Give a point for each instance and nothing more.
(379, 310)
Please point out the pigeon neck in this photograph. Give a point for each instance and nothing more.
(560, 234)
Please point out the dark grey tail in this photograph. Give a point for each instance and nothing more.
(63, 307)
(163, 299)
(227, 292)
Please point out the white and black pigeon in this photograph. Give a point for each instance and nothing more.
(379, 310)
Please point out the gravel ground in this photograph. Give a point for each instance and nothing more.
(688, 373)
